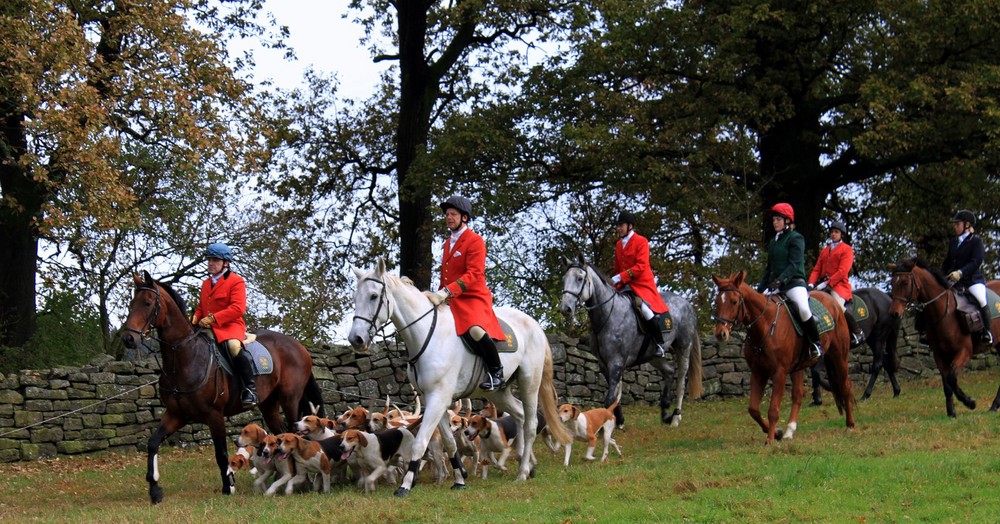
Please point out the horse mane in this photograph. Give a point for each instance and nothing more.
(173, 295)
(908, 264)
(406, 280)
(604, 278)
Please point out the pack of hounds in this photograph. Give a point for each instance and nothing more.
(365, 447)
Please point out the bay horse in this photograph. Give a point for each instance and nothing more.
(916, 285)
(194, 388)
(773, 350)
(442, 369)
(881, 335)
(618, 344)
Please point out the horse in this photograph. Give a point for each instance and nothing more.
(773, 350)
(443, 370)
(194, 388)
(916, 285)
(619, 345)
(881, 335)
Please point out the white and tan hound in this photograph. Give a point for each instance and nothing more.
(309, 458)
(584, 426)
(252, 435)
(495, 436)
(375, 453)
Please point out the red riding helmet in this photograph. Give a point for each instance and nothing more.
(784, 210)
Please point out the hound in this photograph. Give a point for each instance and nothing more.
(495, 436)
(356, 418)
(465, 447)
(374, 453)
(584, 427)
(309, 458)
(255, 436)
(316, 428)
(241, 460)
(272, 455)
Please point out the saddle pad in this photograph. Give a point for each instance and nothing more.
(824, 321)
(263, 363)
(993, 301)
(858, 309)
(507, 345)
(667, 321)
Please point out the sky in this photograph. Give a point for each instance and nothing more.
(324, 39)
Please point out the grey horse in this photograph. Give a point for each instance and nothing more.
(619, 345)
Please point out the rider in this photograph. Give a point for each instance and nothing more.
(785, 271)
(221, 307)
(463, 286)
(831, 271)
(965, 255)
(632, 272)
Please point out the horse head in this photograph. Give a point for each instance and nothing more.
(912, 281)
(577, 286)
(730, 305)
(144, 311)
(371, 306)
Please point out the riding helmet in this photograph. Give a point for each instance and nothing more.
(964, 215)
(220, 251)
(626, 217)
(459, 202)
(785, 210)
(838, 226)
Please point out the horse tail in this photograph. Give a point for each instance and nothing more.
(694, 369)
(547, 396)
(312, 399)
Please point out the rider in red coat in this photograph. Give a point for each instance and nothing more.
(632, 272)
(831, 274)
(463, 287)
(220, 308)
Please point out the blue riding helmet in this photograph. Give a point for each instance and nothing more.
(220, 251)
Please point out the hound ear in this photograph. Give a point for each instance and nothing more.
(149, 279)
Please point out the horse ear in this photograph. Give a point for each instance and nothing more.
(717, 280)
(137, 278)
(357, 272)
(566, 261)
(739, 278)
(380, 268)
(579, 258)
(147, 278)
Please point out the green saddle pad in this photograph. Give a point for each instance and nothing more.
(507, 345)
(858, 309)
(824, 321)
(666, 323)
(993, 301)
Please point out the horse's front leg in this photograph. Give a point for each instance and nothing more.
(668, 395)
(798, 393)
(217, 428)
(878, 356)
(757, 382)
(613, 378)
(437, 403)
(943, 370)
(168, 425)
(774, 406)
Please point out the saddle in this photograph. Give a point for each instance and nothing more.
(824, 321)
(263, 362)
(664, 320)
(967, 309)
(856, 307)
(509, 343)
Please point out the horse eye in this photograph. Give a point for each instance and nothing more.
(374, 296)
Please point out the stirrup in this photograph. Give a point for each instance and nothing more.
(492, 383)
(248, 399)
(986, 337)
(813, 351)
(856, 340)
(658, 351)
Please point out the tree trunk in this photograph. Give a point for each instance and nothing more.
(418, 90)
(18, 233)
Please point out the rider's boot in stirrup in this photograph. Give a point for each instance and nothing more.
(812, 334)
(986, 335)
(494, 369)
(244, 364)
(655, 327)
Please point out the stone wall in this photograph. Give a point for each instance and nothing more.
(111, 405)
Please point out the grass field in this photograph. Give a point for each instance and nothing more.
(905, 462)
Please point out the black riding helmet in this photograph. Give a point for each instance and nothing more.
(839, 226)
(460, 203)
(625, 217)
(964, 215)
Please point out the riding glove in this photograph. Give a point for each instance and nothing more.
(775, 285)
(616, 279)
(822, 285)
(206, 322)
(439, 297)
(955, 276)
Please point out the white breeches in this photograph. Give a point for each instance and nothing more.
(979, 291)
(800, 297)
(840, 300)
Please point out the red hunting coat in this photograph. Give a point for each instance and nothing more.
(632, 265)
(834, 263)
(463, 269)
(227, 301)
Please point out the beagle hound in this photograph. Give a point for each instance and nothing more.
(584, 426)
(374, 453)
(309, 458)
(272, 456)
(316, 428)
(254, 436)
(495, 436)
(241, 460)
(356, 418)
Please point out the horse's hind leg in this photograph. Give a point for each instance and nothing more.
(798, 393)
(966, 400)
(217, 428)
(756, 394)
(168, 425)
(996, 402)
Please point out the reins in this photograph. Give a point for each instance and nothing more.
(593, 295)
(918, 306)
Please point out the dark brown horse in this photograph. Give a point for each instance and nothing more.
(916, 285)
(194, 388)
(773, 350)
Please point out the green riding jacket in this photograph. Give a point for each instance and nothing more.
(786, 260)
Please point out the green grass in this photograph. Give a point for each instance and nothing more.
(905, 462)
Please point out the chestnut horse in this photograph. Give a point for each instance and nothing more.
(194, 388)
(916, 285)
(773, 350)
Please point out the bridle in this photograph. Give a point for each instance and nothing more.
(586, 282)
(373, 328)
(741, 312)
(911, 302)
(146, 333)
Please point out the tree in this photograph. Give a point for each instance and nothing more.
(94, 96)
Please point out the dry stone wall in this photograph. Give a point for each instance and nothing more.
(113, 405)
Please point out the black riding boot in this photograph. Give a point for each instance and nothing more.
(244, 364)
(815, 350)
(655, 327)
(494, 369)
(986, 335)
(857, 336)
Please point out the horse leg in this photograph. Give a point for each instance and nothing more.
(815, 378)
(217, 428)
(680, 384)
(272, 418)
(613, 379)
(798, 393)
(966, 400)
(996, 402)
(774, 406)
(169, 424)
(437, 403)
(756, 394)
(878, 355)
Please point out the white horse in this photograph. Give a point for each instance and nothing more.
(443, 370)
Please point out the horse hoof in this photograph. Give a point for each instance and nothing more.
(454, 486)
(156, 495)
(971, 404)
(779, 434)
(402, 492)
(816, 403)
